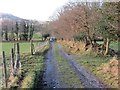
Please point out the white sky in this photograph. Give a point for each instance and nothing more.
(31, 9)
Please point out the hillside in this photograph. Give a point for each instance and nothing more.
(5, 16)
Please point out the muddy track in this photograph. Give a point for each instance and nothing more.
(51, 76)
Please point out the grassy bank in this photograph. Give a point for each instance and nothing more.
(31, 70)
(31, 65)
(93, 64)
(6, 46)
(68, 76)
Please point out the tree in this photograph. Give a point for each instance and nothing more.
(108, 25)
(31, 30)
(11, 35)
(17, 30)
(6, 33)
(24, 34)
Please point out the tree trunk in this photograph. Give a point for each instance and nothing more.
(90, 40)
(6, 35)
(17, 36)
(107, 46)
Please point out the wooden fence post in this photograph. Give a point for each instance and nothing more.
(31, 47)
(12, 65)
(5, 69)
(17, 63)
(18, 55)
(14, 47)
(12, 58)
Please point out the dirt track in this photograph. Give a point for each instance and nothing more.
(52, 76)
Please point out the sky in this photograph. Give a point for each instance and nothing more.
(31, 9)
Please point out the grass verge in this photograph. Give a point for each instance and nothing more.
(68, 76)
(31, 70)
(93, 63)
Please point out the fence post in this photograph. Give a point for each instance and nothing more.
(14, 48)
(12, 58)
(17, 63)
(31, 47)
(12, 65)
(5, 69)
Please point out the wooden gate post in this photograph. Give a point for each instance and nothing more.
(5, 69)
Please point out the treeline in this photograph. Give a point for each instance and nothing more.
(21, 30)
(87, 22)
(17, 30)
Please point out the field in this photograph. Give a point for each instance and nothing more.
(113, 45)
(24, 47)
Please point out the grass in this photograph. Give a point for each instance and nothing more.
(35, 60)
(93, 62)
(113, 45)
(31, 70)
(68, 76)
(37, 36)
(31, 66)
(24, 47)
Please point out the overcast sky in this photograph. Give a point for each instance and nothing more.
(31, 9)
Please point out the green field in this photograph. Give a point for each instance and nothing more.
(37, 36)
(24, 47)
(113, 45)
